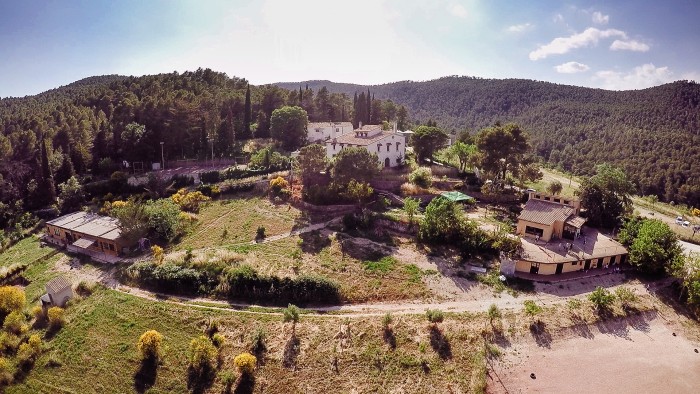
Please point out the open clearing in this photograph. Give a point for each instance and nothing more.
(639, 356)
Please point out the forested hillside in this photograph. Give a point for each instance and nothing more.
(88, 128)
(654, 134)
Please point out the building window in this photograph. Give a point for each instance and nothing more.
(57, 232)
(397, 146)
(546, 198)
(557, 200)
(567, 202)
(387, 147)
(379, 147)
(111, 247)
(574, 262)
(337, 130)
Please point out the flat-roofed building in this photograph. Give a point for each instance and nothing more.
(321, 131)
(88, 233)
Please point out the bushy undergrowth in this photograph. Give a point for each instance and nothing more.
(236, 283)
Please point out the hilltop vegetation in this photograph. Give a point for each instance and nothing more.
(652, 133)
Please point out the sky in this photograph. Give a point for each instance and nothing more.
(617, 45)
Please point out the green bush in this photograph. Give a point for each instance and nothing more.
(434, 316)
(15, 323)
(601, 298)
(291, 313)
(218, 340)
(150, 345)
(421, 176)
(202, 354)
(260, 233)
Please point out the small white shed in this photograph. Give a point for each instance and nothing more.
(58, 292)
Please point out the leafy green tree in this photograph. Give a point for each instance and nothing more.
(465, 153)
(164, 218)
(426, 140)
(410, 206)
(355, 163)
(688, 270)
(606, 196)
(402, 118)
(555, 187)
(133, 219)
(655, 248)
(310, 162)
(288, 125)
(531, 308)
(247, 115)
(202, 354)
(72, 195)
(48, 188)
(358, 191)
(502, 148)
(494, 313)
(442, 221)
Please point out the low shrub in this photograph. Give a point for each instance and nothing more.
(202, 354)
(15, 323)
(421, 177)
(8, 342)
(35, 342)
(434, 315)
(12, 299)
(291, 313)
(210, 176)
(6, 372)
(25, 356)
(150, 345)
(260, 233)
(56, 317)
(218, 340)
(245, 363)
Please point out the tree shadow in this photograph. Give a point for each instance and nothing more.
(390, 338)
(313, 242)
(245, 385)
(499, 338)
(291, 352)
(580, 327)
(145, 376)
(439, 343)
(199, 381)
(539, 331)
(615, 327)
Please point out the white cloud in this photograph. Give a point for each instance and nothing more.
(520, 28)
(457, 10)
(558, 18)
(631, 45)
(571, 68)
(640, 77)
(561, 45)
(600, 19)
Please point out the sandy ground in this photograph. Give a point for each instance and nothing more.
(639, 356)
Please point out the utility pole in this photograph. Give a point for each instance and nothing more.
(162, 157)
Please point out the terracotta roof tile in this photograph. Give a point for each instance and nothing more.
(57, 284)
(545, 212)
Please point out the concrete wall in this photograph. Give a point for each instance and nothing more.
(59, 236)
(546, 230)
(325, 132)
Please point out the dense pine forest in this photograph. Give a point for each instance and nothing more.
(88, 128)
(654, 134)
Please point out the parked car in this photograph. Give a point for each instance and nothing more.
(686, 223)
(679, 220)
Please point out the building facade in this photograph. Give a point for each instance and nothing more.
(389, 146)
(322, 131)
(88, 233)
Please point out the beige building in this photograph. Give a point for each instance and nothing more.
(547, 218)
(389, 146)
(87, 233)
(554, 240)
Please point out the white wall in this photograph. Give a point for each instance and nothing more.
(327, 131)
(393, 152)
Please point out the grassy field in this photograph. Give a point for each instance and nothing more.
(24, 251)
(232, 221)
(317, 253)
(550, 175)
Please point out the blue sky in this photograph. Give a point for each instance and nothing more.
(612, 45)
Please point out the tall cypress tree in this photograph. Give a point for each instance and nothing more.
(369, 108)
(247, 115)
(48, 186)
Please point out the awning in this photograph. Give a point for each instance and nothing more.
(455, 196)
(84, 243)
(576, 221)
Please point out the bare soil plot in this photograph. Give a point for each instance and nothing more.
(640, 356)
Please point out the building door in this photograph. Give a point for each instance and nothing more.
(69, 237)
(534, 268)
(560, 268)
(622, 258)
(612, 260)
(387, 162)
(587, 265)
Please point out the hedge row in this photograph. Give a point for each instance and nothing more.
(235, 173)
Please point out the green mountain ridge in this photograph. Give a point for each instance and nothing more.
(652, 133)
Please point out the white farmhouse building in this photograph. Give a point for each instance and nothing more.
(321, 131)
(389, 146)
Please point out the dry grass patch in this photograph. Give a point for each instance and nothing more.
(232, 221)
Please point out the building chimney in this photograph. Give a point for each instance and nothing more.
(395, 126)
(360, 125)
